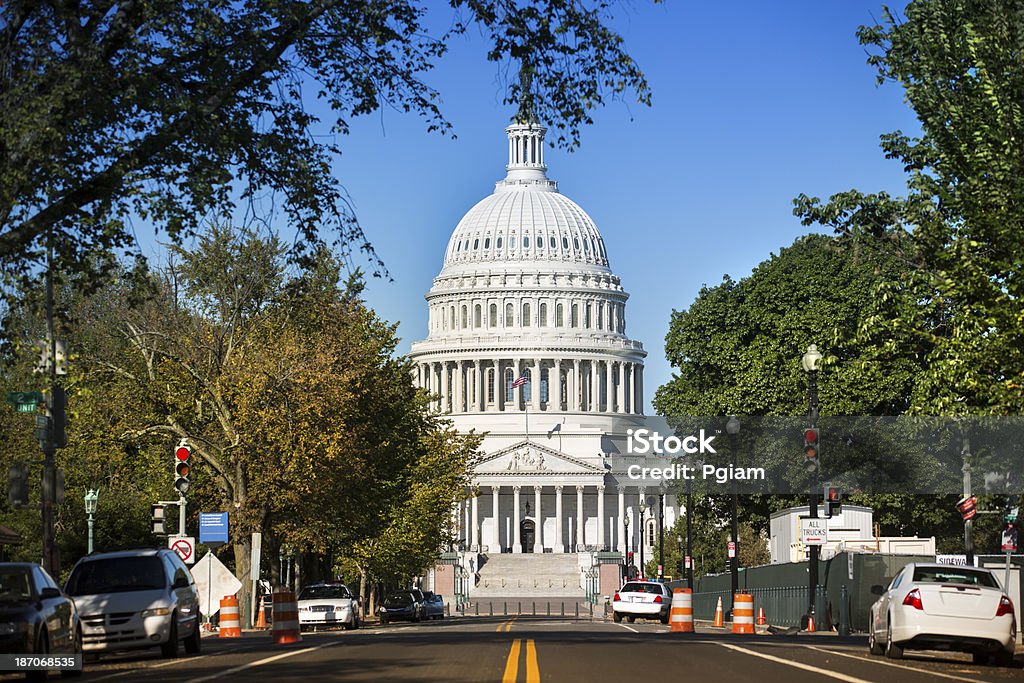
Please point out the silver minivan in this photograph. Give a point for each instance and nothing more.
(134, 599)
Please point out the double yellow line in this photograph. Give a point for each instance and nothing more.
(506, 626)
(512, 665)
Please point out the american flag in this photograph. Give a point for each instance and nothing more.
(521, 381)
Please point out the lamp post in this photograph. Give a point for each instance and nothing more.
(679, 549)
(688, 560)
(91, 499)
(643, 540)
(661, 529)
(732, 427)
(625, 558)
(965, 454)
(811, 362)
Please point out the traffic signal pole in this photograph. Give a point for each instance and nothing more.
(812, 499)
(51, 557)
(969, 523)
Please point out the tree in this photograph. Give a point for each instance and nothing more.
(173, 110)
(960, 228)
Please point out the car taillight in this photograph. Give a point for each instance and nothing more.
(1005, 606)
(914, 599)
(616, 598)
(657, 598)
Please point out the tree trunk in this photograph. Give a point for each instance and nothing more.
(243, 555)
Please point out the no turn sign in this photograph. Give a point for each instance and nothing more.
(185, 546)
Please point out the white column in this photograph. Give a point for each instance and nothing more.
(622, 519)
(535, 386)
(445, 388)
(574, 386)
(495, 545)
(601, 544)
(481, 379)
(609, 387)
(593, 403)
(581, 533)
(559, 546)
(555, 397)
(538, 538)
(517, 545)
(475, 534)
(499, 386)
(638, 407)
(517, 392)
(621, 392)
(460, 393)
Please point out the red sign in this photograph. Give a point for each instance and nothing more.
(184, 547)
(967, 507)
(732, 549)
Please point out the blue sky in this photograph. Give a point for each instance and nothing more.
(753, 103)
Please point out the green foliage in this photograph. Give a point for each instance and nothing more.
(171, 111)
(961, 226)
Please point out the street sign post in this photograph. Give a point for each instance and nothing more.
(813, 530)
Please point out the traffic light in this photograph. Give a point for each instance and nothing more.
(51, 420)
(833, 501)
(181, 467)
(966, 507)
(157, 519)
(17, 484)
(811, 449)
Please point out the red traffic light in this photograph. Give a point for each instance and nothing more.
(833, 493)
(811, 435)
(183, 453)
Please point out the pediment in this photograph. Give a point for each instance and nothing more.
(526, 457)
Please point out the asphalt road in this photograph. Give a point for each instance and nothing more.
(530, 649)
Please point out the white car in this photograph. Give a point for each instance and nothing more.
(943, 607)
(642, 600)
(327, 604)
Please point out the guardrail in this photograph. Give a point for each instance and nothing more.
(783, 606)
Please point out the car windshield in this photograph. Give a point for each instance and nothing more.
(117, 575)
(323, 592)
(642, 588)
(954, 575)
(398, 600)
(14, 585)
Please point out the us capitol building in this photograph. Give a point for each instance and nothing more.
(526, 291)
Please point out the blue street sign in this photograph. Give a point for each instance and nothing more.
(213, 527)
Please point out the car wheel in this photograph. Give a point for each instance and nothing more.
(74, 673)
(1004, 658)
(384, 620)
(874, 647)
(631, 619)
(664, 619)
(892, 650)
(42, 648)
(192, 643)
(616, 617)
(980, 658)
(170, 648)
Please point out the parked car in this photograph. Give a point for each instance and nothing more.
(36, 617)
(327, 604)
(136, 599)
(943, 607)
(642, 600)
(433, 606)
(401, 605)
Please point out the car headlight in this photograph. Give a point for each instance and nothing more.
(303, 609)
(156, 612)
(340, 608)
(9, 627)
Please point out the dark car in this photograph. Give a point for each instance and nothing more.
(402, 605)
(433, 607)
(36, 617)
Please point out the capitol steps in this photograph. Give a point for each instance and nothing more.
(529, 574)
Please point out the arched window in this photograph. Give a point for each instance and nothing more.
(565, 243)
(492, 318)
(542, 318)
(574, 317)
(510, 377)
(600, 316)
(565, 386)
(559, 315)
(576, 243)
(652, 533)
(465, 317)
(509, 315)
(552, 242)
(490, 385)
(476, 244)
(544, 385)
(452, 317)
(526, 314)
(476, 316)
(586, 316)
(540, 242)
(498, 244)
(487, 243)
(526, 242)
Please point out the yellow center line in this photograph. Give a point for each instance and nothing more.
(505, 626)
(512, 665)
(532, 670)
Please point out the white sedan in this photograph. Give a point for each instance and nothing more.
(943, 607)
(327, 604)
(642, 600)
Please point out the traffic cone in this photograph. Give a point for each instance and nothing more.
(261, 620)
(810, 623)
(760, 616)
(719, 619)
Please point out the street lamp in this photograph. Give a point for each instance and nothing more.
(643, 539)
(732, 427)
(811, 362)
(92, 497)
(679, 549)
(625, 558)
(661, 528)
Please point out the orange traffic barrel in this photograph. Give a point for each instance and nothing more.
(286, 618)
(230, 627)
(742, 613)
(682, 610)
